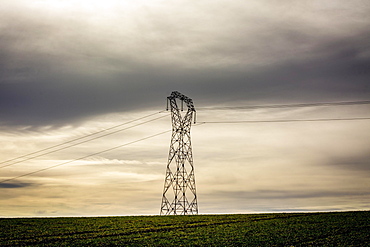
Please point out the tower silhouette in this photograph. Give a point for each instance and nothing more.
(179, 193)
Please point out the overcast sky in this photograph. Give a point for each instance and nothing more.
(73, 67)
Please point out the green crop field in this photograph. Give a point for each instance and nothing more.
(284, 229)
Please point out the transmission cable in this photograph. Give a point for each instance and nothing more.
(341, 103)
(78, 143)
(284, 121)
(84, 157)
(79, 138)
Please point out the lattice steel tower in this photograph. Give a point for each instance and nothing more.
(179, 193)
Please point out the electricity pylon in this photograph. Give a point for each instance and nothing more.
(179, 193)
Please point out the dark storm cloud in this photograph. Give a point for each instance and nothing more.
(340, 74)
(14, 185)
(62, 71)
(286, 194)
(351, 163)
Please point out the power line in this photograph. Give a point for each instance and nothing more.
(285, 121)
(84, 157)
(341, 103)
(80, 138)
(206, 108)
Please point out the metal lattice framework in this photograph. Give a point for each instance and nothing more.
(179, 193)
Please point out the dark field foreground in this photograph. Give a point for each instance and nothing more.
(287, 229)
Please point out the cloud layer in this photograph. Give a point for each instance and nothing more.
(69, 68)
(63, 62)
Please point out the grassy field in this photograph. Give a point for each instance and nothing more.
(285, 229)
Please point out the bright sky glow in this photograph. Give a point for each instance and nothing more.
(89, 5)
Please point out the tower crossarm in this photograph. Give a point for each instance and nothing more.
(177, 95)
